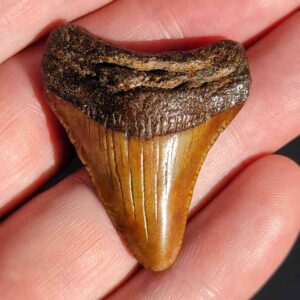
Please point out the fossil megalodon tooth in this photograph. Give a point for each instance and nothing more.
(142, 124)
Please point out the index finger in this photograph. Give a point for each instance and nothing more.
(23, 21)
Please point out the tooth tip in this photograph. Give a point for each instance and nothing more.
(162, 247)
(159, 261)
(159, 265)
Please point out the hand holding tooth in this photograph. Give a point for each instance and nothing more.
(143, 124)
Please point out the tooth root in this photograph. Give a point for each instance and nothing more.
(145, 185)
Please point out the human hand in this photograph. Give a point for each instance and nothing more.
(61, 244)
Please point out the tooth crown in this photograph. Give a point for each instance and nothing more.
(141, 94)
(142, 125)
(145, 185)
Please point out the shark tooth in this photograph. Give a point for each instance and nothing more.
(142, 125)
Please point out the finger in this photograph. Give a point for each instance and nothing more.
(270, 117)
(33, 145)
(235, 244)
(142, 20)
(66, 240)
(61, 245)
(30, 165)
(23, 21)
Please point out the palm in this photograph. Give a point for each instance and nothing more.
(61, 245)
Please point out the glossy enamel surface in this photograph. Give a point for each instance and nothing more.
(145, 185)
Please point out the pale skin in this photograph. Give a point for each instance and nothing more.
(61, 245)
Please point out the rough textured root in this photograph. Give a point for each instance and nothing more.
(141, 94)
